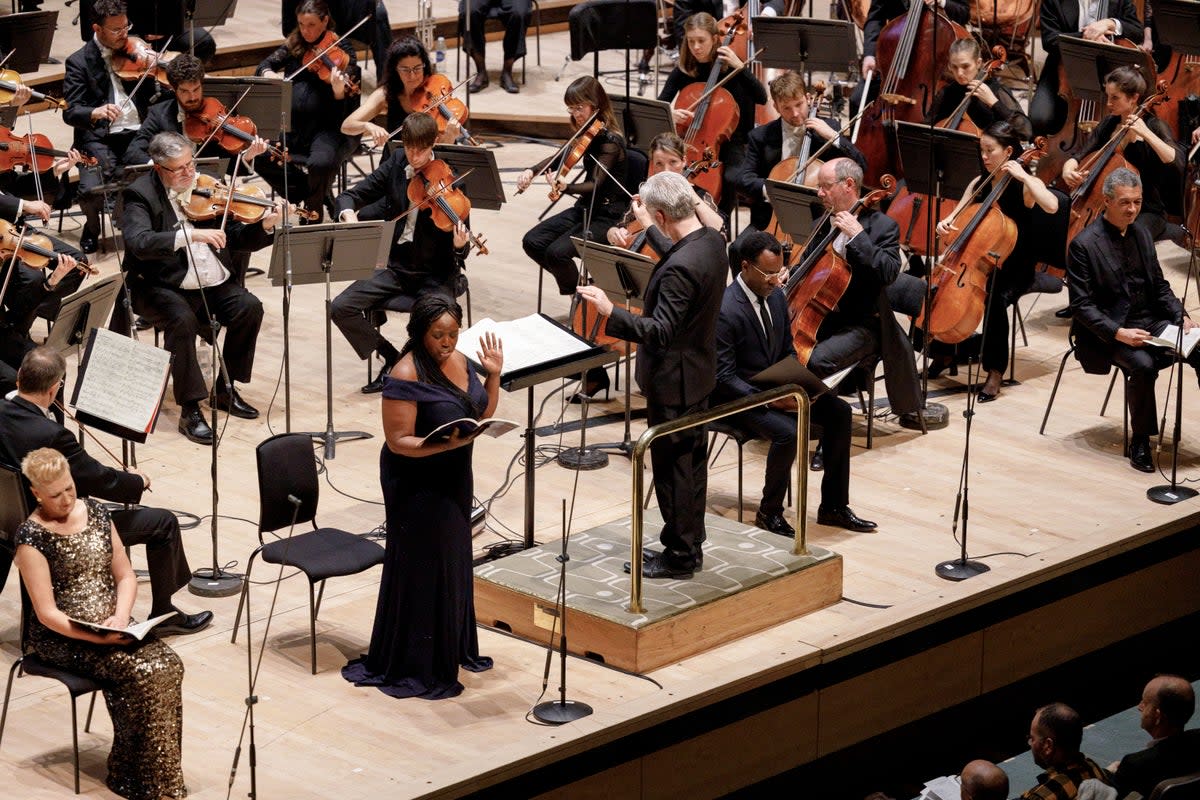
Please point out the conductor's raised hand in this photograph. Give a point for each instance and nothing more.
(596, 296)
(491, 353)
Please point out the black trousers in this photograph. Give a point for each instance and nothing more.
(109, 153)
(845, 346)
(181, 315)
(1141, 366)
(549, 243)
(350, 309)
(166, 561)
(680, 463)
(322, 160)
(1047, 111)
(514, 14)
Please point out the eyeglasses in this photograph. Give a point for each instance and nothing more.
(577, 109)
(767, 276)
(417, 70)
(119, 31)
(825, 187)
(182, 169)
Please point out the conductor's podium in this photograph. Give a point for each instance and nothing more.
(750, 582)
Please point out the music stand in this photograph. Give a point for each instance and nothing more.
(805, 45)
(1086, 63)
(480, 175)
(796, 206)
(80, 312)
(211, 13)
(33, 31)
(268, 103)
(356, 248)
(596, 25)
(642, 118)
(951, 156)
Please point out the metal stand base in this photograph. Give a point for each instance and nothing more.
(557, 712)
(936, 415)
(582, 458)
(331, 437)
(210, 583)
(1169, 495)
(960, 569)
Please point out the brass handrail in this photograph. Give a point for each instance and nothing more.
(800, 546)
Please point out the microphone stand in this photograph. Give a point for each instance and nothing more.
(287, 284)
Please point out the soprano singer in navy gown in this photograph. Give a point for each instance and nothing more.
(425, 618)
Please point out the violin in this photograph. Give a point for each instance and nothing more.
(139, 59)
(433, 185)
(10, 82)
(324, 56)
(821, 279)
(233, 133)
(960, 279)
(36, 249)
(583, 140)
(32, 152)
(434, 98)
(209, 198)
(716, 114)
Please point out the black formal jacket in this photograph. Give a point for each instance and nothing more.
(1099, 300)
(764, 149)
(677, 360)
(24, 428)
(86, 86)
(881, 12)
(162, 117)
(742, 347)
(149, 227)
(1059, 17)
(874, 258)
(1172, 757)
(1162, 182)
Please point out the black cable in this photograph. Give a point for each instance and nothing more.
(864, 603)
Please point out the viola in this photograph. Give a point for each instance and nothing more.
(10, 82)
(324, 56)
(233, 133)
(433, 185)
(715, 118)
(32, 152)
(583, 140)
(139, 59)
(36, 249)
(434, 97)
(817, 285)
(210, 197)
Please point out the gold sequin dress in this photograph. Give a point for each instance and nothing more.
(144, 680)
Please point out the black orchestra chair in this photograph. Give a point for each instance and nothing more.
(740, 437)
(1186, 787)
(287, 469)
(1103, 407)
(12, 514)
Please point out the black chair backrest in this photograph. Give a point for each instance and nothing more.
(286, 466)
(637, 167)
(1183, 788)
(13, 512)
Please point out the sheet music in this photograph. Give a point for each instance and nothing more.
(526, 342)
(123, 380)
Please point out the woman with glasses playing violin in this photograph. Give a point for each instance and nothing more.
(323, 93)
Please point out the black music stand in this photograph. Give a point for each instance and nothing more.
(643, 118)
(622, 275)
(356, 248)
(268, 103)
(83, 310)
(805, 45)
(597, 25)
(797, 207)
(480, 177)
(1086, 63)
(27, 36)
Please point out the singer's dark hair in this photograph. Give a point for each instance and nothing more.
(428, 309)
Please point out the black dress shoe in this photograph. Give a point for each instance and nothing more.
(376, 385)
(478, 83)
(88, 243)
(1139, 455)
(233, 403)
(657, 565)
(816, 461)
(987, 397)
(508, 84)
(597, 381)
(142, 324)
(775, 523)
(193, 426)
(183, 623)
(844, 518)
(1063, 313)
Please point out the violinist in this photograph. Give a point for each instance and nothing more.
(701, 48)
(1149, 148)
(408, 68)
(423, 258)
(667, 154)
(318, 107)
(1025, 192)
(42, 187)
(991, 101)
(178, 272)
(862, 325)
(784, 138)
(376, 32)
(99, 108)
(597, 196)
(1095, 21)
(515, 15)
(879, 14)
(150, 17)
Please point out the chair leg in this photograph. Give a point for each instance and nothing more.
(312, 627)
(87, 725)
(741, 512)
(468, 296)
(320, 596)
(75, 742)
(12, 673)
(244, 600)
(1108, 394)
(871, 412)
(1054, 390)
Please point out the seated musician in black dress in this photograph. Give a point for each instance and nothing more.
(990, 102)
(1149, 148)
(752, 334)
(376, 31)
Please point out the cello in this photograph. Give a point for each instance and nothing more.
(822, 278)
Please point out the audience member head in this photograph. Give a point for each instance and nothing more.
(1055, 735)
(760, 258)
(983, 780)
(41, 371)
(1168, 702)
(669, 193)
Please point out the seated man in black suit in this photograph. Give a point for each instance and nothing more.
(1168, 702)
(1119, 299)
(752, 334)
(423, 257)
(25, 425)
(179, 273)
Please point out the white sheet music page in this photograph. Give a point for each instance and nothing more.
(123, 381)
(526, 342)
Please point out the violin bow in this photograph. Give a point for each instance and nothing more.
(726, 79)
(37, 176)
(862, 105)
(340, 39)
(801, 168)
(12, 266)
(221, 121)
(145, 74)
(63, 408)
(567, 145)
(596, 161)
(431, 196)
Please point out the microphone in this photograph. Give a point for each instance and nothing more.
(294, 500)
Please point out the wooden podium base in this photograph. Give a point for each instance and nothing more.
(750, 581)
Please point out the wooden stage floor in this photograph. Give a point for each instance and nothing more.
(1044, 506)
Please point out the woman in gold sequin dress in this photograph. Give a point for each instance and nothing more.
(73, 565)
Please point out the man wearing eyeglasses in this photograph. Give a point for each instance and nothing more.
(179, 275)
(101, 110)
